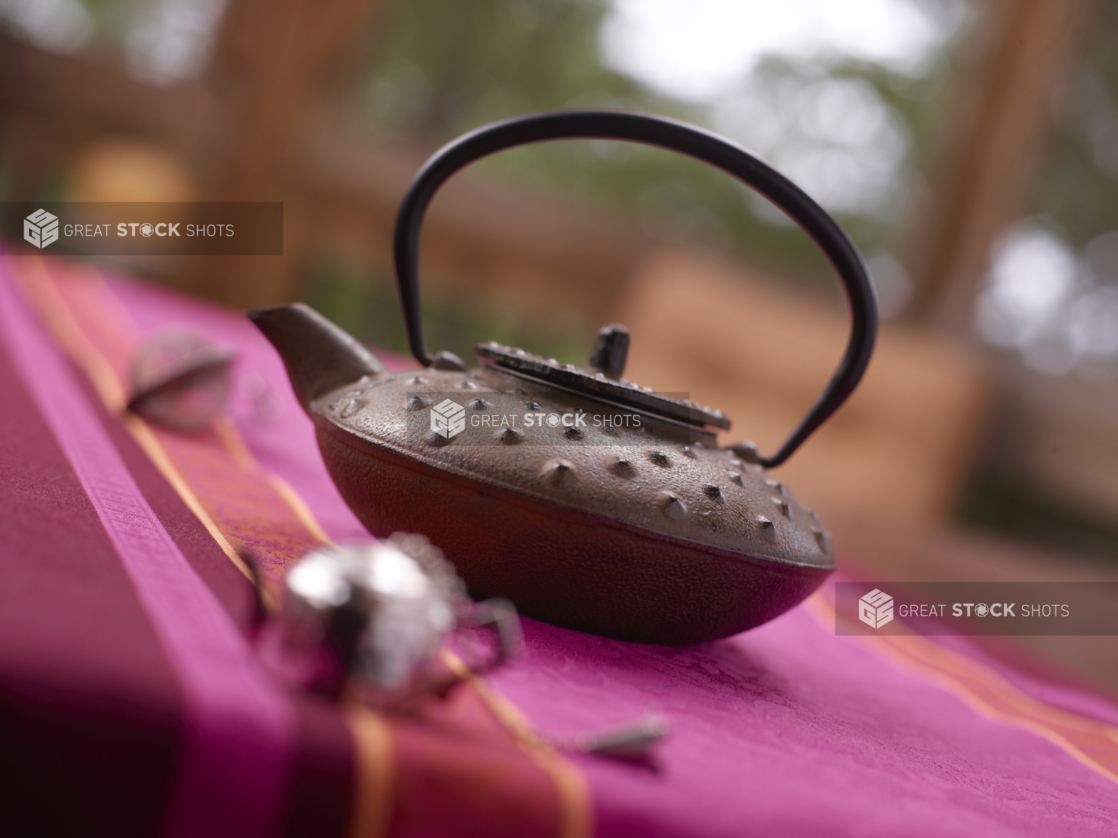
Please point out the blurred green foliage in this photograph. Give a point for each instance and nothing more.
(1002, 503)
(442, 70)
(439, 70)
(366, 306)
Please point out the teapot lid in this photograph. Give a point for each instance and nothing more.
(602, 381)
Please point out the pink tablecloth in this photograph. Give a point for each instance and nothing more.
(785, 730)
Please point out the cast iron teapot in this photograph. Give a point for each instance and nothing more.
(587, 500)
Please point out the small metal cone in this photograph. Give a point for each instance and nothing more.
(634, 740)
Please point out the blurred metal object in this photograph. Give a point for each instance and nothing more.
(180, 381)
(633, 740)
(369, 620)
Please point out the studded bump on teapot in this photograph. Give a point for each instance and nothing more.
(589, 501)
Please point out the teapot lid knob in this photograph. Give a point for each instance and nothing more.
(611, 350)
(447, 361)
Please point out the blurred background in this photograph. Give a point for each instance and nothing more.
(969, 148)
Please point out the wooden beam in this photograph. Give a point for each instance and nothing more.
(91, 94)
(275, 62)
(762, 351)
(1019, 54)
(340, 190)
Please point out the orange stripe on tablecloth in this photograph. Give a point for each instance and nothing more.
(225, 428)
(243, 506)
(374, 763)
(577, 820)
(1093, 743)
(276, 538)
(219, 479)
(31, 276)
(374, 773)
(463, 772)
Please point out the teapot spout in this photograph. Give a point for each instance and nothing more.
(319, 356)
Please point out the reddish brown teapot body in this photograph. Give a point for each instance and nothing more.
(649, 532)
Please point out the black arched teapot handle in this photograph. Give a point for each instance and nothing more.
(673, 136)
